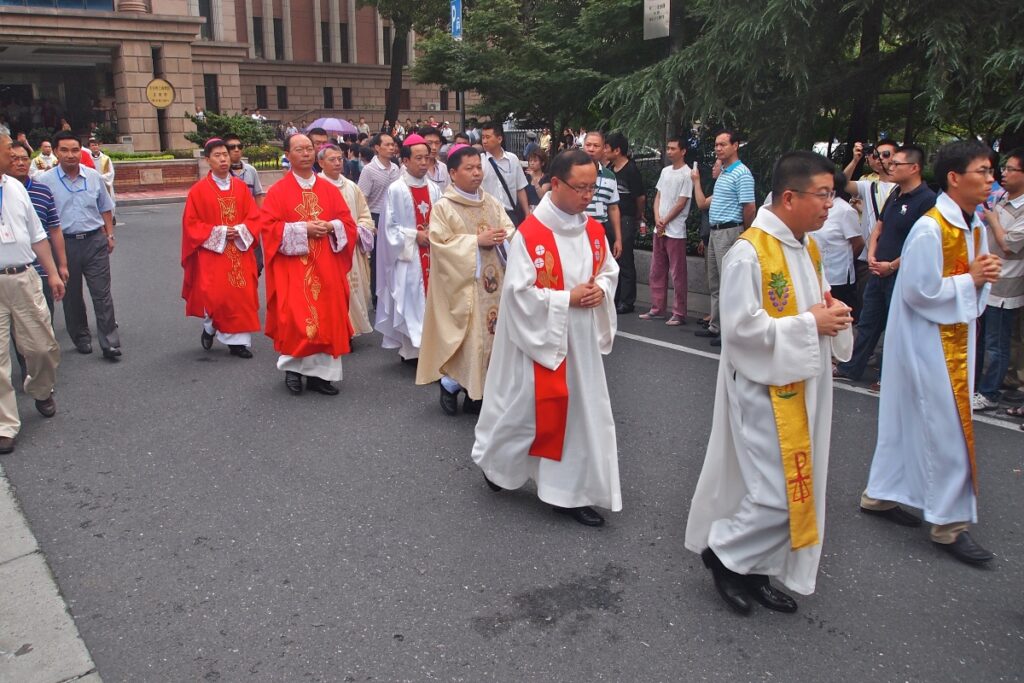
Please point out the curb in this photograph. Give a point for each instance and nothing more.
(150, 201)
(39, 642)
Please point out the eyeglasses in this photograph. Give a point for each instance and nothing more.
(823, 196)
(302, 150)
(985, 171)
(234, 146)
(583, 191)
(1012, 168)
(881, 155)
(902, 163)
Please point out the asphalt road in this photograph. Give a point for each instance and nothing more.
(204, 525)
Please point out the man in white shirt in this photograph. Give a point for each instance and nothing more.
(504, 177)
(840, 243)
(671, 207)
(22, 305)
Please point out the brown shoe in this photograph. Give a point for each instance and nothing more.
(47, 408)
(6, 444)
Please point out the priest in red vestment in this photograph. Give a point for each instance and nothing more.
(218, 229)
(308, 238)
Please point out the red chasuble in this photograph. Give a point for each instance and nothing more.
(421, 205)
(224, 284)
(307, 296)
(551, 389)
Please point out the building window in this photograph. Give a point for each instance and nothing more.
(279, 39)
(257, 36)
(325, 42)
(261, 97)
(344, 43)
(403, 99)
(328, 97)
(387, 45)
(282, 97)
(206, 11)
(211, 93)
(444, 100)
(346, 98)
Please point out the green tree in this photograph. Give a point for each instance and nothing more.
(252, 133)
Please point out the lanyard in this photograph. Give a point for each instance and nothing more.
(85, 183)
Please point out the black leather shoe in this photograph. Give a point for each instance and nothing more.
(716, 342)
(471, 407)
(240, 350)
(449, 401)
(206, 340)
(707, 334)
(491, 485)
(896, 515)
(586, 516)
(966, 550)
(321, 386)
(83, 348)
(48, 407)
(622, 309)
(6, 444)
(113, 353)
(729, 584)
(293, 381)
(761, 589)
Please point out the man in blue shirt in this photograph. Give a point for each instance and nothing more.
(86, 215)
(732, 210)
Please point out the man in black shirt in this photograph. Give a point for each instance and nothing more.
(908, 202)
(632, 204)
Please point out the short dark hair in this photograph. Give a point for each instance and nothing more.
(377, 139)
(1017, 154)
(228, 137)
(955, 158)
(562, 165)
(495, 128)
(886, 142)
(366, 154)
(21, 145)
(794, 170)
(679, 140)
(316, 131)
(213, 144)
(596, 131)
(734, 136)
(455, 159)
(429, 130)
(914, 154)
(618, 141)
(460, 136)
(65, 135)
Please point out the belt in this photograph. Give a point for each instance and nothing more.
(81, 235)
(14, 270)
(723, 226)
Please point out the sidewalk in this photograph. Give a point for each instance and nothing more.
(39, 642)
(151, 197)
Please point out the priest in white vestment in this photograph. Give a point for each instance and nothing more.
(551, 322)
(332, 161)
(403, 252)
(748, 500)
(924, 457)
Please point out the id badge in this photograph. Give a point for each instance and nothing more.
(6, 233)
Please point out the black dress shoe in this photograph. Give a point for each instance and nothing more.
(896, 515)
(730, 585)
(708, 334)
(293, 381)
(586, 516)
(409, 361)
(206, 340)
(471, 407)
(83, 347)
(622, 309)
(491, 485)
(6, 444)
(761, 589)
(48, 407)
(716, 342)
(113, 353)
(321, 386)
(449, 401)
(966, 550)
(240, 350)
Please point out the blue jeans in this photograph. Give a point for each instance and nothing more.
(999, 324)
(874, 314)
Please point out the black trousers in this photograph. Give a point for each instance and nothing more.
(88, 258)
(625, 293)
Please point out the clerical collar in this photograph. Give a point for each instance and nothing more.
(556, 219)
(305, 183)
(223, 183)
(339, 182)
(768, 221)
(475, 197)
(411, 180)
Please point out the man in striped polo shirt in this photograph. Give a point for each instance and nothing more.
(731, 211)
(604, 205)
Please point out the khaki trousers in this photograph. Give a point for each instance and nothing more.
(23, 306)
(721, 242)
(941, 533)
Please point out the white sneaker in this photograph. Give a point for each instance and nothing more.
(979, 402)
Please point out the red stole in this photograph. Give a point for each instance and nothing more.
(551, 389)
(224, 285)
(421, 206)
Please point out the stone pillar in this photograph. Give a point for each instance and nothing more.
(133, 70)
(353, 55)
(318, 37)
(248, 28)
(334, 17)
(217, 10)
(378, 25)
(268, 30)
(286, 20)
(178, 71)
(411, 56)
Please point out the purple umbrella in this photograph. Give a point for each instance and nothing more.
(333, 125)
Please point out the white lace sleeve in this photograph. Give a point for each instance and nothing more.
(217, 240)
(339, 239)
(245, 238)
(295, 241)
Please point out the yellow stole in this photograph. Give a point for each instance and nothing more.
(789, 401)
(954, 336)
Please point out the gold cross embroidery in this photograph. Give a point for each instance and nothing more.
(309, 209)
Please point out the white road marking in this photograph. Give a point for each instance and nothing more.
(843, 386)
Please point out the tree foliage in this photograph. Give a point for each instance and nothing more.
(211, 125)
